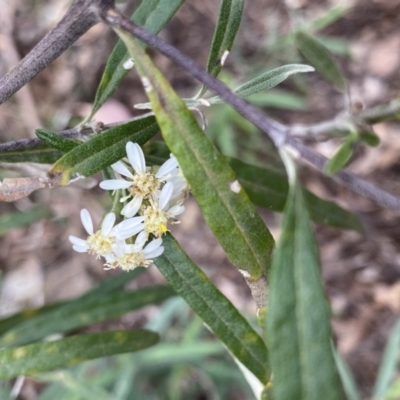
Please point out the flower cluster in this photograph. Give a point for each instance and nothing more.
(153, 199)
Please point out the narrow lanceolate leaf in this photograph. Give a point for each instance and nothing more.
(56, 141)
(227, 26)
(152, 15)
(266, 81)
(320, 58)
(298, 330)
(225, 205)
(341, 157)
(84, 313)
(112, 284)
(348, 382)
(103, 150)
(42, 357)
(41, 154)
(213, 308)
(268, 188)
(389, 363)
(19, 219)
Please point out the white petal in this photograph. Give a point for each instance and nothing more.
(136, 157)
(115, 184)
(87, 221)
(179, 186)
(141, 240)
(77, 241)
(153, 245)
(132, 207)
(154, 253)
(120, 167)
(165, 195)
(108, 224)
(118, 250)
(129, 228)
(80, 249)
(176, 210)
(167, 168)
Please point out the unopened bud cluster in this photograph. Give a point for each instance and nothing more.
(152, 199)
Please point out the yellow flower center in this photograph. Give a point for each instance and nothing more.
(155, 221)
(132, 260)
(144, 184)
(99, 244)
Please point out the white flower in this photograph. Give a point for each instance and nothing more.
(157, 214)
(100, 243)
(130, 256)
(142, 184)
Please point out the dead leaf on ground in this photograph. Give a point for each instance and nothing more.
(12, 189)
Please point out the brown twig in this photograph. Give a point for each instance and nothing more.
(82, 15)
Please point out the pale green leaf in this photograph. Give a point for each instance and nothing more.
(341, 157)
(298, 328)
(266, 81)
(41, 357)
(349, 384)
(320, 58)
(388, 366)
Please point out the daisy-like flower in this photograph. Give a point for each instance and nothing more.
(100, 243)
(142, 184)
(130, 256)
(157, 214)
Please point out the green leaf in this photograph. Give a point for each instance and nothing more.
(56, 141)
(389, 363)
(103, 150)
(18, 219)
(225, 206)
(42, 357)
(369, 137)
(341, 157)
(152, 15)
(214, 308)
(280, 99)
(83, 313)
(319, 57)
(298, 330)
(230, 15)
(41, 154)
(268, 188)
(349, 384)
(115, 282)
(266, 81)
